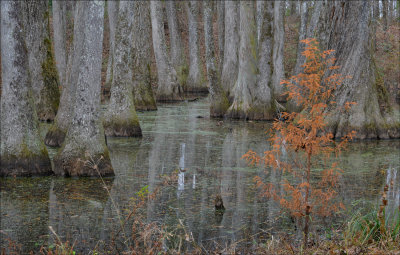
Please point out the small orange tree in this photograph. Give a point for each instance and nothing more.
(302, 135)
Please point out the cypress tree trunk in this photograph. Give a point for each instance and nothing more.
(218, 101)
(112, 11)
(62, 23)
(372, 116)
(169, 89)
(60, 33)
(84, 152)
(307, 31)
(42, 66)
(376, 9)
(231, 58)
(178, 57)
(120, 118)
(302, 35)
(22, 151)
(56, 134)
(246, 82)
(278, 71)
(142, 91)
(196, 80)
(263, 107)
(385, 15)
(221, 34)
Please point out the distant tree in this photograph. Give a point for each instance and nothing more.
(142, 90)
(231, 47)
(278, 71)
(385, 14)
(120, 118)
(196, 81)
(56, 133)
(112, 11)
(221, 34)
(302, 35)
(304, 138)
(84, 152)
(252, 95)
(168, 87)
(42, 65)
(22, 150)
(62, 22)
(218, 100)
(178, 57)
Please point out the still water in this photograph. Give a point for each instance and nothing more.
(182, 136)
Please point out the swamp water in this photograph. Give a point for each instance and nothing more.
(80, 209)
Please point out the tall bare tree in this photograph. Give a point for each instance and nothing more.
(56, 133)
(177, 52)
(252, 93)
(231, 49)
(196, 81)
(221, 33)
(142, 90)
(112, 11)
(62, 22)
(168, 87)
(84, 152)
(218, 100)
(120, 118)
(22, 150)
(278, 70)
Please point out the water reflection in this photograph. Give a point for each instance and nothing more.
(207, 158)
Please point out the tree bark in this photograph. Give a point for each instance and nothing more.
(278, 71)
(302, 35)
(252, 95)
(231, 60)
(44, 76)
(221, 34)
(263, 107)
(169, 90)
(196, 82)
(84, 152)
(112, 10)
(372, 116)
(121, 118)
(385, 15)
(60, 33)
(62, 23)
(56, 134)
(376, 9)
(177, 52)
(142, 90)
(292, 7)
(23, 152)
(218, 100)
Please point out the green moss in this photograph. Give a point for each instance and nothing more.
(50, 77)
(369, 127)
(379, 84)
(182, 73)
(261, 113)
